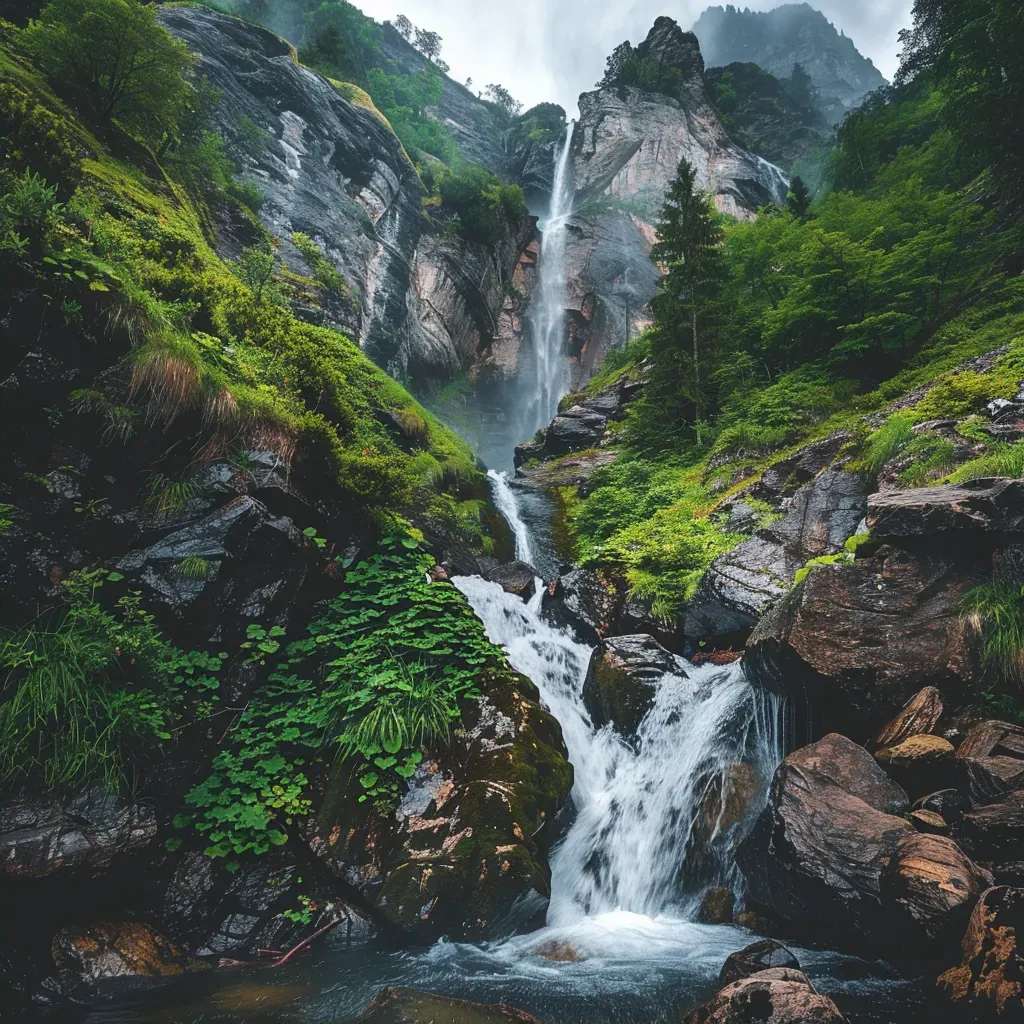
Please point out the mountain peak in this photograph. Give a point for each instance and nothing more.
(669, 46)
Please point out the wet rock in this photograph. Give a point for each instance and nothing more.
(929, 823)
(589, 602)
(780, 995)
(742, 583)
(861, 639)
(920, 715)
(979, 507)
(989, 983)
(559, 953)
(987, 780)
(717, 906)
(929, 888)
(996, 831)
(41, 837)
(623, 678)
(814, 860)
(464, 853)
(516, 578)
(993, 738)
(758, 956)
(575, 430)
(407, 1006)
(920, 764)
(949, 803)
(90, 954)
(789, 474)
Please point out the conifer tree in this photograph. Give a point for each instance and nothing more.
(799, 199)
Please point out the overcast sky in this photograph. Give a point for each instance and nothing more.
(555, 49)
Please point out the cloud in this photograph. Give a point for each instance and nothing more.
(552, 50)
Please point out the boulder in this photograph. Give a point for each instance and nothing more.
(993, 738)
(780, 995)
(464, 852)
(588, 601)
(859, 640)
(989, 983)
(996, 830)
(623, 678)
(920, 715)
(949, 803)
(929, 888)
(42, 837)
(920, 764)
(515, 578)
(929, 823)
(407, 1006)
(987, 780)
(717, 906)
(93, 953)
(815, 857)
(759, 956)
(802, 467)
(980, 507)
(575, 430)
(740, 584)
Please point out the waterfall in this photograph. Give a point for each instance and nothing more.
(550, 372)
(657, 820)
(505, 502)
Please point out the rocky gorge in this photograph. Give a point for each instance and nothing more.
(305, 716)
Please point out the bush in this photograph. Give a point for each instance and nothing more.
(113, 62)
(484, 208)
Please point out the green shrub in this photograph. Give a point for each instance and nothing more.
(996, 611)
(1002, 460)
(483, 208)
(324, 271)
(892, 438)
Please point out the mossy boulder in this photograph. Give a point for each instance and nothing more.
(464, 852)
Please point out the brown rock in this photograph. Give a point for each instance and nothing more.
(757, 957)
(515, 578)
(559, 952)
(950, 803)
(777, 996)
(989, 983)
(996, 831)
(987, 780)
(929, 823)
(920, 715)
(993, 739)
(930, 887)
(87, 955)
(815, 857)
(920, 764)
(717, 906)
(977, 507)
(860, 639)
(407, 1006)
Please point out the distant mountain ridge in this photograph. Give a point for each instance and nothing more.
(793, 33)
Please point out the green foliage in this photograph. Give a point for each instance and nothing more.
(384, 672)
(326, 274)
(889, 440)
(482, 209)
(194, 568)
(87, 693)
(1001, 460)
(114, 62)
(802, 573)
(996, 611)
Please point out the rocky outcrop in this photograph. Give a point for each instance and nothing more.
(741, 584)
(329, 166)
(407, 1006)
(919, 717)
(462, 854)
(989, 983)
(920, 764)
(627, 147)
(815, 858)
(758, 956)
(780, 995)
(515, 578)
(859, 640)
(623, 678)
(44, 837)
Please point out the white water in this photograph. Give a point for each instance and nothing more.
(505, 502)
(654, 825)
(550, 372)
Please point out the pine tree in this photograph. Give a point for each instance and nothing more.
(800, 87)
(799, 199)
(689, 247)
(613, 68)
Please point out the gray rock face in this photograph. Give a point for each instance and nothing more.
(40, 838)
(979, 507)
(759, 956)
(741, 584)
(332, 169)
(627, 147)
(515, 578)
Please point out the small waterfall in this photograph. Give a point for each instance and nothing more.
(657, 821)
(550, 373)
(505, 502)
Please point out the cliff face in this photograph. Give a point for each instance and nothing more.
(330, 167)
(793, 33)
(627, 148)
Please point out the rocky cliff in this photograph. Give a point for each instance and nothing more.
(790, 34)
(422, 306)
(627, 148)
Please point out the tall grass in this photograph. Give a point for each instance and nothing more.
(1003, 460)
(995, 611)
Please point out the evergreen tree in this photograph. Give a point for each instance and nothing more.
(799, 199)
(800, 87)
(689, 247)
(614, 65)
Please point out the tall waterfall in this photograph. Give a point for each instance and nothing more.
(656, 820)
(505, 502)
(550, 377)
